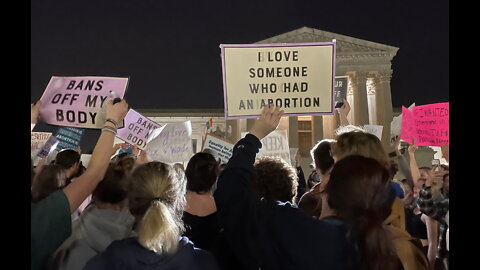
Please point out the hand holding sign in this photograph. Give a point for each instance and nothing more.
(116, 111)
(343, 112)
(268, 121)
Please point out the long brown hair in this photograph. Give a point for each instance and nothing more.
(359, 192)
(51, 178)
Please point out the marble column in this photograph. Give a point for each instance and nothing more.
(360, 109)
(383, 100)
(317, 122)
(293, 131)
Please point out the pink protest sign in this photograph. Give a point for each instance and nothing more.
(136, 129)
(78, 101)
(432, 124)
(427, 124)
(408, 133)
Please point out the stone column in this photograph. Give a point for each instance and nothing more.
(317, 128)
(293, 131)
(383, 100)
(359, 86)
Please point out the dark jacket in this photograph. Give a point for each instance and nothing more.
(130, 254)
(274, 235)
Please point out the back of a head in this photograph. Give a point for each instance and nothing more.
(157, 199)
(363, 144)
(359, 192)
(275, 179)
(321, 156)
(113, 188)
(50, 179)
(67, 158)
(201, 172)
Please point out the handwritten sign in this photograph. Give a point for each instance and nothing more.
(223, 148)
(137, 128)
(78, 101)
(38, 140)
(375, 130)
(427, 124)
(68, 137)
(298, 77)
(170, 143)
(275, 144)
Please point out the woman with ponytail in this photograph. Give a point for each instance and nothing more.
(156, 200)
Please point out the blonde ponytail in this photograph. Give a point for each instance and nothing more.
(158, 230)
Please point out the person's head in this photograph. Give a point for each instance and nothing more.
(156, 199)
(201, 172)
(425, 173)
(313, 179)
(321, 156)
(125, 161)
(410, 196)
(113, 189)
(275, 179)
(69, 159)
(359, 192)
(360, 143)
(51, 178)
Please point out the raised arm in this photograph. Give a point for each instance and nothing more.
(237, 204)
(403, 165)
(432, 236)
(84, 185)
(343, 112)
(34, 113)
(413, 162)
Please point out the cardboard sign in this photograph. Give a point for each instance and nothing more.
(275, 144)
(375, 130)
(137, 128)
(68, 137)
(78, 101)
(428, 124)
(341, 87)
(48, 147)
(223, 148)
(38, 141)
(298, 77)
(171, 143)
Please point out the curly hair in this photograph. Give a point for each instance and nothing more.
(275, 179)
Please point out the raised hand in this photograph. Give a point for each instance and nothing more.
(267, 122)
(116, 111)
(343, 112)
(35, 111)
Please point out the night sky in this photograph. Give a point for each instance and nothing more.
(170, 49)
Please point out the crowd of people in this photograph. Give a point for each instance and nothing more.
(123, 211)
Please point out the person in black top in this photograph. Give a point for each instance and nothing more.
(277, 235)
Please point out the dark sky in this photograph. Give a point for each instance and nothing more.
(170, 49)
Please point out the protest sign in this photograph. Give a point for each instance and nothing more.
(38, 140)
(222, 148)
(341, 87)
(299, 77)
(85, 158)
(275, 144)
(293, 154)
(137, 128)
(170, 143)
(427, 124)
(396, 125)
(375, 130)
(78, 101)
(48, 147)
(68, 137)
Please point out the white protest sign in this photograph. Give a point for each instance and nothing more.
(293, 154)
(275, 144)
(171, 143)
(299, 77)
(48, 147)
(38, 140)
(85, 158)
(375, 130)
(221, 147)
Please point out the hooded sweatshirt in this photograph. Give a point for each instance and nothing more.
(130, 254)
(92, 233)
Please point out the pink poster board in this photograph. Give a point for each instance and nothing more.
(78, 101)
(137, 128)
(427, 124)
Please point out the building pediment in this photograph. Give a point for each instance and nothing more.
(346, 46)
